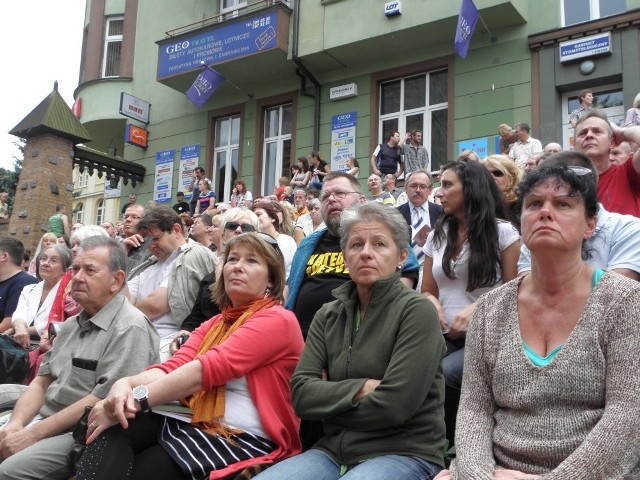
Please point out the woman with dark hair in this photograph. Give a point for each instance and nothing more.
(319, 169)
(240, 197)
(233, 373)
(353, 166)
(267, 213)
(300, 174)
(551, 375)
(469, 252)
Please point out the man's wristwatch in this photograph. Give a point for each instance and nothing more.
(141, 395)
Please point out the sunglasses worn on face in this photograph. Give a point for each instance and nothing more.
(245, 227)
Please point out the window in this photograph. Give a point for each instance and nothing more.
(229, 8)
(276, 152)
(225, 155)
(100, 212)
(112, 47)
(82, 179)
(79, 213)
(417, 102)
(578, 11)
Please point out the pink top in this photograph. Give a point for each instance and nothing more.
(265, 349)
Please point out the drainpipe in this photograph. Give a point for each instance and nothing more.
(303, 72)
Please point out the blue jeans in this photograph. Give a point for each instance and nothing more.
(314, 464)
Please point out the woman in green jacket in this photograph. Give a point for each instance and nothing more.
(371, 369)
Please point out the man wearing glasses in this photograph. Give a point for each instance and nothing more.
(418, 212)
(167, 284)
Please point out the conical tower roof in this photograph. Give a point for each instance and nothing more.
(53, 115)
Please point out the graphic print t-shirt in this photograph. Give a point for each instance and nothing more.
(325, 271)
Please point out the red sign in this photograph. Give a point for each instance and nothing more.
(136, 135)
(76, 109)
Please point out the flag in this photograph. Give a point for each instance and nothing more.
(466, 24)
(205, 84)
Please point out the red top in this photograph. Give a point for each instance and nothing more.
(619, 188)
(265, 349)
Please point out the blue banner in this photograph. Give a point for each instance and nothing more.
(207, 82)
(466, 24)
(163, 176)
(218, 44)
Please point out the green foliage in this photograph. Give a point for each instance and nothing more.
(9, 179)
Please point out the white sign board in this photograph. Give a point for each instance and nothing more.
(134, 107)
(585, 47)
(343, 91)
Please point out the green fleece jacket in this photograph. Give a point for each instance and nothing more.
(400, 343)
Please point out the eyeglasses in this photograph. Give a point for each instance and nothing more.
(245, 227)
(497, 173)
(157, 239)
(339, 195)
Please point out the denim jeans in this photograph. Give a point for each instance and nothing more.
(314, 464)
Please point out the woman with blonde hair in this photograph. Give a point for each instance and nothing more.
(633, 114)
(507, 176)
(47, 240)
(507, 137)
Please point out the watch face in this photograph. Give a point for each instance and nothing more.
(140, 392)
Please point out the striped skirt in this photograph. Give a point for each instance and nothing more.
(199, 453)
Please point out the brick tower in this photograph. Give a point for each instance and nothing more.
(51, 131)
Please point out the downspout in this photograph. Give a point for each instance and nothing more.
(303, 72)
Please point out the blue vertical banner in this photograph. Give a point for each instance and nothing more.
(466, 24)
(189, 156)
(343, 140)
(164, 176)
(207, 82)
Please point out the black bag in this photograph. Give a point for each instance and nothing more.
(14, 361)
(79, 437)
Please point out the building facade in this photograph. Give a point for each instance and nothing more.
(338, 76)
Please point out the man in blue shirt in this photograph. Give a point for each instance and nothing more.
(12, 278)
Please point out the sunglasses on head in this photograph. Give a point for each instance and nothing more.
(245, 227)
(497, 173)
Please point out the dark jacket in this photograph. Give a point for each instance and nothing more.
(434, 211)
(401, 346)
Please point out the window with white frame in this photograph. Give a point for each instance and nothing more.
(276, 150)
(82, 178)
(225, 155)
(417, 102)
(230, 8)
(79, 213)
(112, 47)
(100, 212)
(579, 11)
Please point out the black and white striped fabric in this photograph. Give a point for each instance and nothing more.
(199, 453)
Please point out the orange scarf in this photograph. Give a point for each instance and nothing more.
(208, 407)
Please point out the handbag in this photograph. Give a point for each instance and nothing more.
(79, 437)
(14, 360)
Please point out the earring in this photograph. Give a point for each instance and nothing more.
(267, 292)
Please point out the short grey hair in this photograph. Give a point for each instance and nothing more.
(374, 212)
(64, 252)
(117, 257)
(422, 170)
(314, 203)
(86, 232)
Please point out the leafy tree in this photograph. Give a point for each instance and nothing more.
(9, 179)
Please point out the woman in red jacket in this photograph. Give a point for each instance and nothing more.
(233, 373)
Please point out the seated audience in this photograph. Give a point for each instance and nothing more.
(551, 366)
(233, 373)
(371, 373)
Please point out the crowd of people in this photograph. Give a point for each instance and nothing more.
(318, 332)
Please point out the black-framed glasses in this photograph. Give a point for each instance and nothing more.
(157, 238)
(245, 227)
(497, 173)
(340, 195)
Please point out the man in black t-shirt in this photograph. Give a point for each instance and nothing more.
(12, 278)
(318, 265)
(181, 206)
(387, 157)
